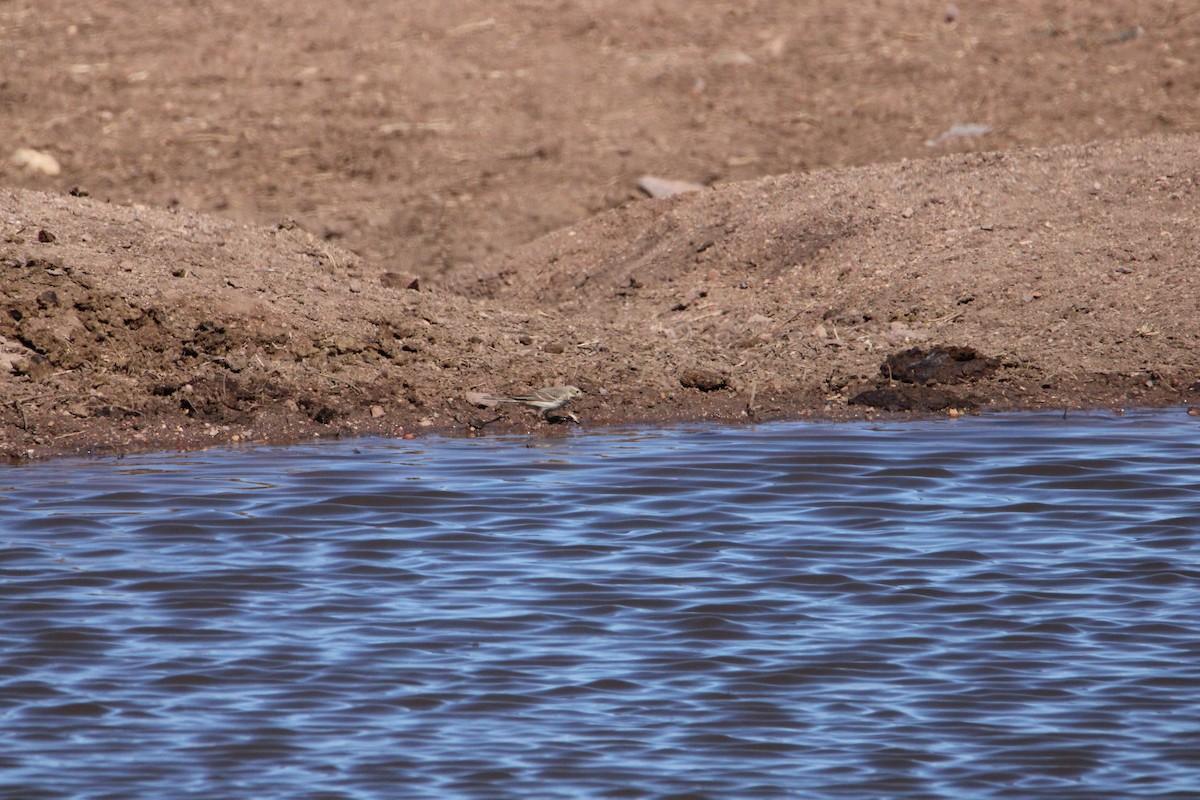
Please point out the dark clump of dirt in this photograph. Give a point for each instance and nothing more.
(938, 365)
(703, 379)
(919, 369)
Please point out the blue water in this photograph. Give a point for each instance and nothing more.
(996, 607)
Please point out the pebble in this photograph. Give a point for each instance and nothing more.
(480, 399)
(665, 187)
(37, 161)
(960, 131)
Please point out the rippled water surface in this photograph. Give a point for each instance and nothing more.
(1003, 607)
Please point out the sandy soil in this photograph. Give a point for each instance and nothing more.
(911, 208)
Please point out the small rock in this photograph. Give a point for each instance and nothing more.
(377, 412)
(960, 131)
(776, 46)
(665, 187)
(481, 399)
(553, 347)
(733, 57)
(37, 161)
(46, 237)
(703, 379)
(400, 280)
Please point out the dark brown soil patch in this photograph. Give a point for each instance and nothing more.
(938, 364)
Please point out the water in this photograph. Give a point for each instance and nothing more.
(1003, 607)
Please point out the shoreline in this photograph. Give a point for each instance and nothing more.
(107, 451)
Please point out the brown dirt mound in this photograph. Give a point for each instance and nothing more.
(428, 136)
(1074, 266)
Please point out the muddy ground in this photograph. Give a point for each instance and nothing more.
(265, 221)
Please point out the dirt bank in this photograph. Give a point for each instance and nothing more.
(347, 154)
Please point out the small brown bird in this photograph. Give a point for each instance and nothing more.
(548, 398)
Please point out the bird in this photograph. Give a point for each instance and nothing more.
(545, 399)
